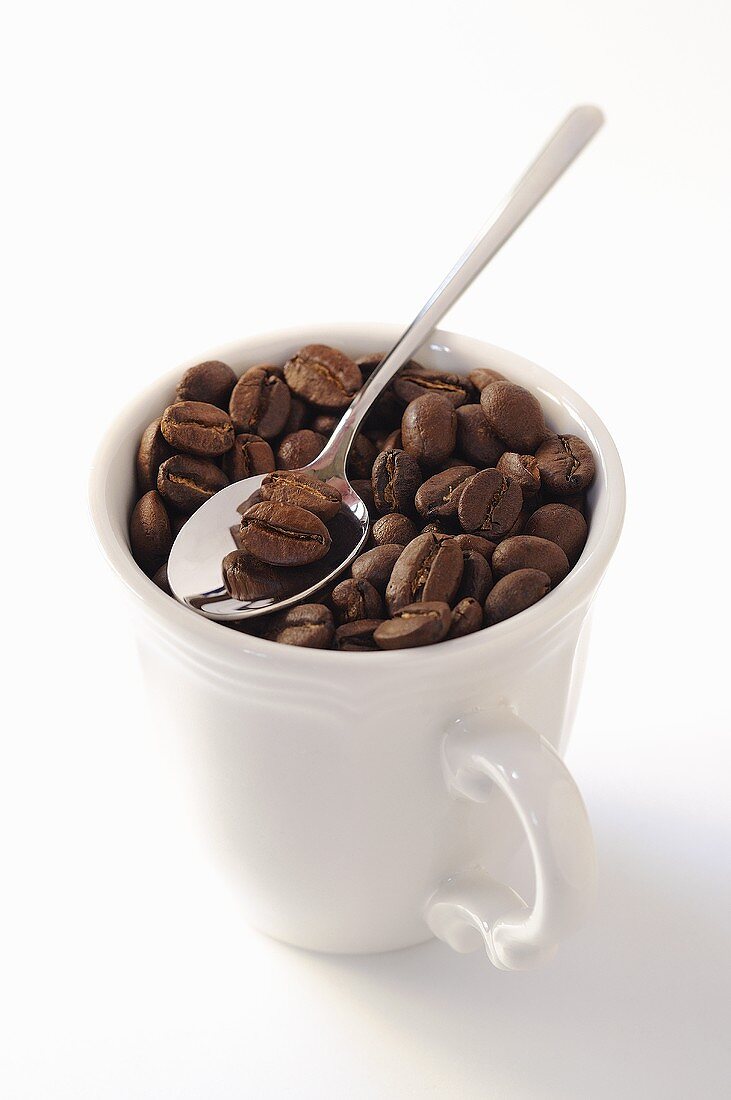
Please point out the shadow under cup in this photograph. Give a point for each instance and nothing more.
(321, 775)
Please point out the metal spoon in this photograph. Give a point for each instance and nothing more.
(194, 566)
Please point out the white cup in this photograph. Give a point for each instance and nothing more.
(364, 802)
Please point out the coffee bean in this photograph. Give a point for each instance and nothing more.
(283, 534)
(152, 452)
(479, 545)
(323, 376)
(260, 403)
(475, 438)
(357, 637)
(198, 429)
(571, 500)
(186, 482)
(393, 441)
(515, 415)
(438, 496)
(304, 490)
(490, 504)
(376, 565)
(307, 624)
(352, 600)
(413, 381)
(394, 528)
(530, 552)
(368, 363)
(248, 578)
(149, 530)
(364, 490)
(483, 377)
(524, 470)
(160, 578)
(476, 577)
(562, 525)
(361, 458)
(515, 593)
(427, 569)
(566, 464)
(519, 526)
(429, 429)
(416, 624)
(299, 449)
(394, 480)
(299, 413)
(386, 410)
(211, 382)
(249, 455)
(324, 423)
(466, 618)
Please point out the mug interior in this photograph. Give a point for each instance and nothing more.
(113, 491)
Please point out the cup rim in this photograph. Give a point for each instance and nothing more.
(231, 646)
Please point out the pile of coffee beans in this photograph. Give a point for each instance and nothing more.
(477, 508)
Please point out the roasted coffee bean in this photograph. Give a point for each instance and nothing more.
(393, 441)
(186, 482)
(385, 412)
(479, 545)
(249, 455)
(476, 577)
(530, 552)
(413, 381)
(414, 625)
(152, 452)
(299, 449)
(394, 528)
(438, 496)
(361, 458)
(566, 464)
(304, 490)
(376, 565)
(368, 363)
(524, 470)
(160, 578)
(515, 415)
(324, 423)
(283, 534)
(364, 489)
(210, 382)
(248, 578)
(490, 504)
(197, 429)
(323, 376)
(394, 480)
(515, 593)
(357, 637)
(149, 531)
(306, 624)
(299, 413)
(466, 618)
(475, 438)
(429, 429)
(428, 569)
(352, 600)
(519, 526)
(483, 377)
(560, 524)
(260, 403)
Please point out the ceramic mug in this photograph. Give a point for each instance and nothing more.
(365, 802)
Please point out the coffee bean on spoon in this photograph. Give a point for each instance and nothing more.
(476, 440)
(394, 480)
(524, 470)
(490, 504)
(211, 382)
(560, 524)
(196, 428)
(466, 618)
(355, 599)
(151, 453)
(249, 455)
(357, 637)
(299, 449)
(515, 593)
(186, 481)
(260, 402)
(394, 528)
(566, 464)
(415, 624)
(427, 569)
(304, 490)
(249, 578)
(309, 624)
(283, 534)
(438, 496)
(530, 552)
(429, 429)
(515, 415)
(323, 376)
(150, 532)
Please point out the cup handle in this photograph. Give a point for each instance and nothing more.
(497, 749)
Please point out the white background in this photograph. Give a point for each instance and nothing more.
(179, 175)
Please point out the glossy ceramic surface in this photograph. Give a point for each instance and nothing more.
(364, 802)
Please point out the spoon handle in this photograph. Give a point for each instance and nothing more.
(561, 150)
